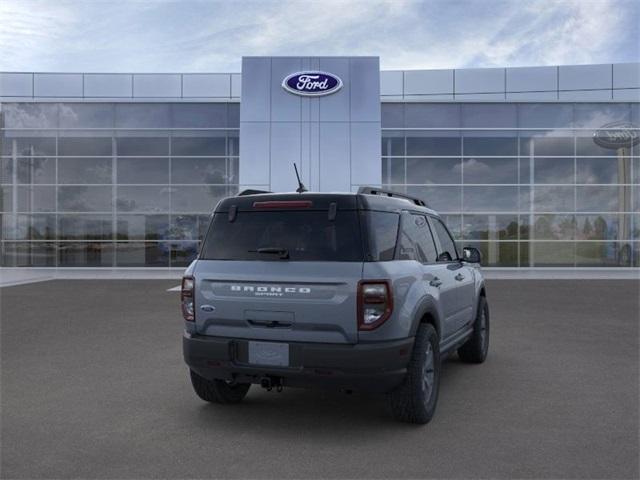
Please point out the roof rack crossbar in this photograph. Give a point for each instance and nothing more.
(250, 191)
(391, 193)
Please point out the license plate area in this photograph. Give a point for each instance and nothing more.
(269, 353)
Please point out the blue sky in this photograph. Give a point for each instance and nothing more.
(212, 36)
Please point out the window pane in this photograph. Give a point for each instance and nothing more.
(29, 227)
(30, 146)
(143, 199)
(603, 254)
(392, 115)
(489, 115)
(142, 115)
(84, 170)
(422, 145)
(454, 224)
(188, 227)
(490, 146)
(497, 254)
(490, 170)
(30, 115)
(36, 170)
(182, 253)
(490, 199)
(142, 254)
(554, 227)
(198, 146)
(546, 146)
(143, 227)
(553, 199)
(545, 115)
(36, 199)
(447, 245)
(143, 170)
(441, 199)
(587, 147)
(6, 170)
(553, 170)
(197, 199)
(603, 198)
(604, 227)
(603, 170)
(551, 254)
(85, 254)
(427, 115)
(85, 227)
(415, 240)
(35, 254)
(434, 170)
(383, 231)
(490, 227)
(199, 115)
(597, 115)
(84, 199)
(79, 115)
(392, 144)
(199, 170)
(393, 171)
(84, 146)
(142, 146)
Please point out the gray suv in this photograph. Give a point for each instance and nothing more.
(362, 291)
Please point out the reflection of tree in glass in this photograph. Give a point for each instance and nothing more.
(70, 198)
(600, 229)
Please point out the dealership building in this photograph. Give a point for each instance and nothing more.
(537, 166)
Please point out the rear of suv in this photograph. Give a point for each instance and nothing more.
(361, 292)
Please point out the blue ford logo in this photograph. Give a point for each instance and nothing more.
(312, 84)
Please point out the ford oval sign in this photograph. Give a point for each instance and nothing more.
(617, 135)
(312, 84)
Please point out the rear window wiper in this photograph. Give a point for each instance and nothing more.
(283, 252)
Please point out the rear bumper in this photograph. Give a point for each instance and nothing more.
(370, 367)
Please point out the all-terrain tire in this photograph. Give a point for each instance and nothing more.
(218, 391)
(476, 348)
(415, 400)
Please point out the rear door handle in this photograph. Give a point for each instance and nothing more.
(435, 282)
(459, 277)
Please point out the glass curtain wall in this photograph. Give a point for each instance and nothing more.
(528, 184)
(112, 184)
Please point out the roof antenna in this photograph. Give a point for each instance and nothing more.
(301, 188)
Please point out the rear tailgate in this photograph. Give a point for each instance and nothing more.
(278, 300)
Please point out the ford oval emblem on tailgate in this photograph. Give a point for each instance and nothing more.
(312, 84)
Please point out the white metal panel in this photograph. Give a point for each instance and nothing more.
(586, 95)
(57, 85)
(365, 89)
(627, 95)
(391, 83)
(16, 85)
(532, 96)
(428, 82)
(157, 85)
(366, 168)
(285, 150)
(626, 75)
(584, 77)
(479, 80)
(336, 107)
(335, 167)
(254, 153)
(532, 79)
(256, 89)
(480, 97)
(106, 85)
(285, 106)
(203, 85)
(236, 85)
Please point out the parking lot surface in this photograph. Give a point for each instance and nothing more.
(93, 386)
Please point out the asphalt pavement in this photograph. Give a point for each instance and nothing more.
(93, 386)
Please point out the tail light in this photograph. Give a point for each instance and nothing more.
(375, 303)
(186, 298)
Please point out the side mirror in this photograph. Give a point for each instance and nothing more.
(471, 255)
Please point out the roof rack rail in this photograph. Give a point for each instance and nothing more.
(390, 193)
(250, 191)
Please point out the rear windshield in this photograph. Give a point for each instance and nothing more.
(284, 236)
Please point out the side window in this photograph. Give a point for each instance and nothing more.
(383, 231)
(415, 239)
(447, 251)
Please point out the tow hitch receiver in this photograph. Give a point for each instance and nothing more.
(269, 383)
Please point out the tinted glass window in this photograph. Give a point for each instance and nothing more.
(304, 236)
(447, 245)
(383, 231)
(416, 242)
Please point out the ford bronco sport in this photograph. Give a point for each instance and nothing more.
(361, 292)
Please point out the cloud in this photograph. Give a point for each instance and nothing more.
(195, 35)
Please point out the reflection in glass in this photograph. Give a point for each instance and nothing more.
(44, 145)
(72, 254)
(143, 170)
(200, 115)
(551, 254)
(539, 144)
(603, 254)
(36, 170)
(36, 198)
(603, 170)
(392, 145)
(490, 170)
(183, 253)
(553, 199)
(85, 227)
(37, 254)
(142, 146)
(6, 170)
(86, 115)
(198, 145)
(490, 199)
(143, 199)
(393, 170)
(554, 227)
(142, 227)
(142, 115)
(442, 199)
(188, 227)
(603, 198)
(490, 227)
(30, 115)
(198, 199)
(496, 254)
(602, 226)
(28, 227)
(84, 199)
(432, 146)
(84, 170)
(84, 146)
(553, 170)
(490, 146)
(433, 170)
(199, 170)
(142, 254)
